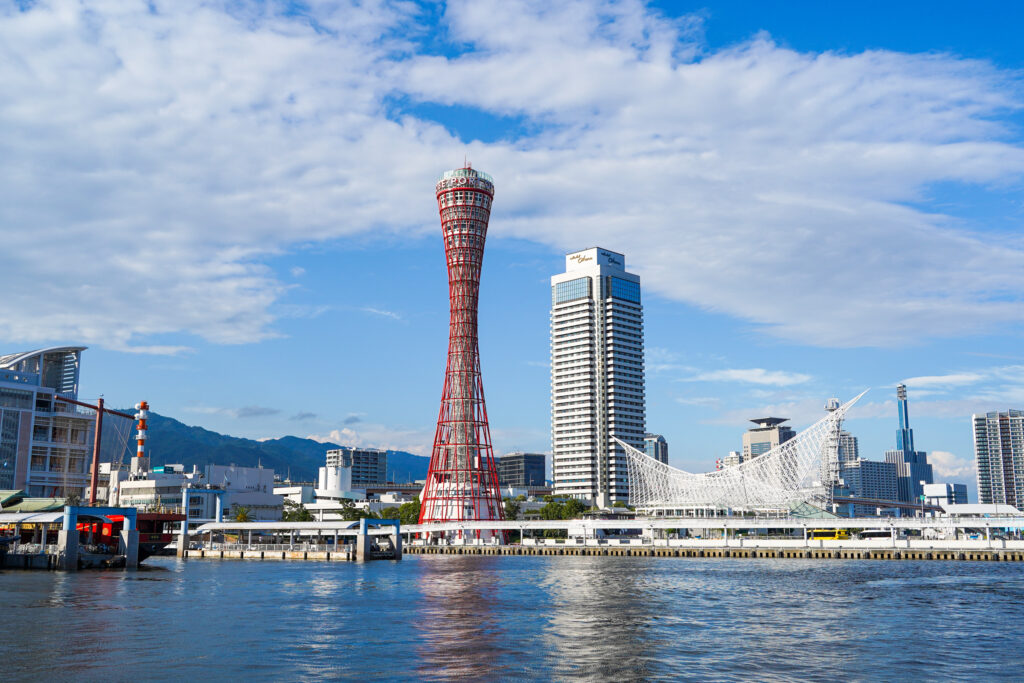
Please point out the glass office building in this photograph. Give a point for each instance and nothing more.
(521, 469)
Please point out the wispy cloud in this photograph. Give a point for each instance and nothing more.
(381, 312)
(699, 401)
(299, 311)
(256, 411)
(951, 380)
(778, 378)
(244, 412)
(982, 388)
(303, 416)
(156, 350)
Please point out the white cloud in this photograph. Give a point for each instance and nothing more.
(993, 387)
(779, 378)
(706, 401)
(948, 466)
(342, 437)
(207, 410)
(800, 412)
(951, 380)
(154, 157)
(415, 441)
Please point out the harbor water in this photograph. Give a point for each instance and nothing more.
(542, 618)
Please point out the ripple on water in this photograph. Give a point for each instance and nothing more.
(459, 617)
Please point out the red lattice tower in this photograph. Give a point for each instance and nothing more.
(462, 482)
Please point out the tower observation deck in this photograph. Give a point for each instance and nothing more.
(462, 480)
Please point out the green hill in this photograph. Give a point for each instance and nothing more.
(171, 441)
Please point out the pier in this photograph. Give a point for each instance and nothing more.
(67, 552)
(344, 541)
(978, 539)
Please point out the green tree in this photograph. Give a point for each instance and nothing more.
(573, 508)
(242, 514)
(351, 513)
(552, 510)
(295, 512)
(511, 509)
(409, 513)
(389, 513)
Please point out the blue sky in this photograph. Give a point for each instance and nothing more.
(232, 205)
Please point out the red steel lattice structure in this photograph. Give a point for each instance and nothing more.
(462, 481)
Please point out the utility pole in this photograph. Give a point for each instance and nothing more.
(94, 479)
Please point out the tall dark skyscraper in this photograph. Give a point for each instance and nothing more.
(911, 466)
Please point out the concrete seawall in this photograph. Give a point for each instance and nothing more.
(973, 555)
(324, 556)
(760, 552)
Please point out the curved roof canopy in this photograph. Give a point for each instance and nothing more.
(12, 359)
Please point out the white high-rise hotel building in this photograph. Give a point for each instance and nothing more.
(597, 375)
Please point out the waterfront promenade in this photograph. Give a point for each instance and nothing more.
(931, 538)
(904, 549)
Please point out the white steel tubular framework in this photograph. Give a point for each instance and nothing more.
(800, 470)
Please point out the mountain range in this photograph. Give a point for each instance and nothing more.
(171, 441)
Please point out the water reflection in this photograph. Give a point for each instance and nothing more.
(602, 618)
(455, 618)
(540, 618)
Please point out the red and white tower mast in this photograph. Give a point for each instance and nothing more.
(462, 481)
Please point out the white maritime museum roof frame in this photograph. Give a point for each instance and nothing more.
(797, 471)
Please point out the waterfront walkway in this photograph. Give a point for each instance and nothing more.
(829, 552)
(914, 538)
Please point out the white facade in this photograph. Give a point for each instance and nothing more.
(334, 483)
(999, 457)
(597, 375)
(369, 466)
(45, 445)
(945, 494)
(732, 460)
(218, 490)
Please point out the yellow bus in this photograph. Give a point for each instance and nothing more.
(828, 534)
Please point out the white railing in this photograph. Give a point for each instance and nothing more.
(31, 549)
(277, 547)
